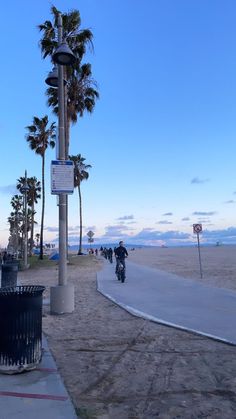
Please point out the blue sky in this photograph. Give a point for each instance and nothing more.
(162, 138)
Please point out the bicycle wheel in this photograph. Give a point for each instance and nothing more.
(123, 275)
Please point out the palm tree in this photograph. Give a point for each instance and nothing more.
(81, 96)
(34, 193)
(77, 39)
(41, 136)
(15, 220)
(37, 237)
(80, 174)
(80, 92)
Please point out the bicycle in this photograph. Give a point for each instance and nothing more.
(120, 270)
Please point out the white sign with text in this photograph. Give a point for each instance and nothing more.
(62, 177)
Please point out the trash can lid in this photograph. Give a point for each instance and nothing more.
(22, 290)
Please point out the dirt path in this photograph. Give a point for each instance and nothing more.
(118, 366)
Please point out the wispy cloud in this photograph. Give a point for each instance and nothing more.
(185, 219)
(204, 213)
(90, 228)
(164, 222)
(167, 214)
(73, 228)
(125, 218)
(203, 220)
(9, 190)
(231, 201)
(116, 231)
(196, 180)
(51, 229)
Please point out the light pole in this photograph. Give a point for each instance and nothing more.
(25, 189)
(62, 296)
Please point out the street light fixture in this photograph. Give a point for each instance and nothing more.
(25, 189)
(63, 54)
(52, 78)
(61, 296)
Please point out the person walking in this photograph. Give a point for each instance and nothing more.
(110, 254)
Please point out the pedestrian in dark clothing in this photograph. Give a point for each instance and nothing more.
(110, 253)
(4, 258)
(120, 254)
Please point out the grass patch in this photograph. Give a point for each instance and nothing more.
(36, 263)
(83, 261)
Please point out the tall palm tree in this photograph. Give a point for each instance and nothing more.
(41, 136)
(80, 92)
(80, 174)
(34, 193)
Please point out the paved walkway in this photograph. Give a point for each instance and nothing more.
(169, 299)
(35, 394)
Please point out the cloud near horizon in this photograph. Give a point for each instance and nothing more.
(150, 236)
(227, 234)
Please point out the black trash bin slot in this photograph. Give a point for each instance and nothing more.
(9, 274)
(20, 328)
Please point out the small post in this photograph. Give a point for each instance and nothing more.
(199, 254)
(197, 228)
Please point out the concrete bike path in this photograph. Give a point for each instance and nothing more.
(172, 300)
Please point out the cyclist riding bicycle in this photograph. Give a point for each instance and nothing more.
(120, 254)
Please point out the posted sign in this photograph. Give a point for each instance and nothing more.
(62, 177)
(197, 228)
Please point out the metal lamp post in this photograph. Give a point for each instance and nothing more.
(25, 189)
(62, 296)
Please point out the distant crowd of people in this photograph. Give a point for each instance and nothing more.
(107, 253)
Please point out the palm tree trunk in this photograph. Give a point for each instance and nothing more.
(43, 206)
(32, 230)
(80, 222)
(67, 133)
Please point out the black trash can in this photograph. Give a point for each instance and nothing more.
(20, 328)
(9, 274)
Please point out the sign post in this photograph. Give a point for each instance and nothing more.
(90, 235)
(197, 228)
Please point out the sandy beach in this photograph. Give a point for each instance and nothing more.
(118, 366)
(218, 262)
